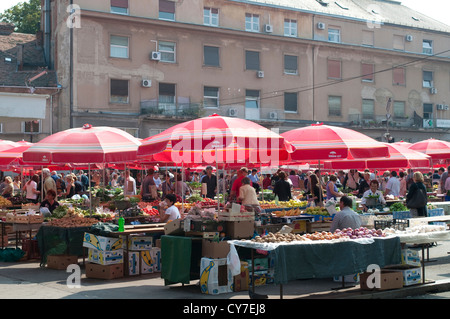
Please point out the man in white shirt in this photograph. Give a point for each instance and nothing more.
(346, 217)
(393, 185)
(157, 180)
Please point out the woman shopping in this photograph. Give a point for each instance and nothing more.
(416, 199)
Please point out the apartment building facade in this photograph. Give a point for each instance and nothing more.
(145, 65)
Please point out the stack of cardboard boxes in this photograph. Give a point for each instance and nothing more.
(107, 255)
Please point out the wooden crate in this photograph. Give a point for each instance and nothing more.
(21, 219)
(312, 227)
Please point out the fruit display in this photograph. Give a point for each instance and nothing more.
(5, 202)
(284, 213)
(278, 238)
(265, 204)
(316, 211)
(150, 211)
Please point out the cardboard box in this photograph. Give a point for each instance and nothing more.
(150, 261)
(61, 262)
(236, 216)
(98, 271)
(175, 227)
(241, 281)
(354, 278)
(240, 229)
(412, 275)
(215, 250)
(388, 280)
(299, 226)
(215, 277)
(206, 226)
(260, 263)
(102, 243)
(411, 257)
(140, 242)
(105, 257)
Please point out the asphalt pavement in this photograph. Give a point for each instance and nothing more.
(27, 280)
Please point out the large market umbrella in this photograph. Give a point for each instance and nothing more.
(325, 142)
(399, 157)
(216, 139)
(6, 144)
(438, 150)
(87, 144)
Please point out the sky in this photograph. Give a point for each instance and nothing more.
(437, 9)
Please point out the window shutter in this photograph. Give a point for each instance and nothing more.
(166, 6)
(119, 3)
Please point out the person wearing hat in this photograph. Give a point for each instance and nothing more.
(211, 183)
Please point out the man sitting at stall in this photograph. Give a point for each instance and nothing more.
(373, 198)
(346, 217)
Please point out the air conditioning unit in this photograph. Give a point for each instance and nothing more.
(442, 107)
(260, 74)
(268, 28)
(321, 26)
(273, 115)
(409, 38)
(433, 90)
(232, 112)
(156, 56)
(146, 83)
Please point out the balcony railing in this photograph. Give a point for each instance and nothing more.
(183, 110)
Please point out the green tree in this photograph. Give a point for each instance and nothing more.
(26, 16)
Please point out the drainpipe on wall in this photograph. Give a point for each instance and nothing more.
(71, 73)
(313, 67)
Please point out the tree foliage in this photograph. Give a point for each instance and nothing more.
(26, 16)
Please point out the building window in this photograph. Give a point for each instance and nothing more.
(368, 70)
(427, 47)
(398, 42)
(31, 126)
(211, 56)
(368, 112)
(427, 79)
(334, 69)
(166, 100)
(251, 22)
(334, 105)
(290, 28)
(119, 91)
(334, 35)
(427, 111)
(290, 64)
(211, 16)
(252, 60)
(167, 50)
(290, 102)
(399, 76)
(119, 6)
(210, 97)
(167, 10)
(119, 47)
(368, 38)
(399, 110)
(252, 99)
(130, 130)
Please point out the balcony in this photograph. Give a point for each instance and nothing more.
(171, 110)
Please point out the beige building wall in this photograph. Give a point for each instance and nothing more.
(361, 42)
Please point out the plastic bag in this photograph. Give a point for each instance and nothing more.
(233, 262)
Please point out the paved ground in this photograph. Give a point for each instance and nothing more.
(26, 280)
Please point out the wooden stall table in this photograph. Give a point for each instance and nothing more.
(136, 229)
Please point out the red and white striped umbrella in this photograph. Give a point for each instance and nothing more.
(87, 144)
(325, 142)
(215, 139)
(438, 150)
